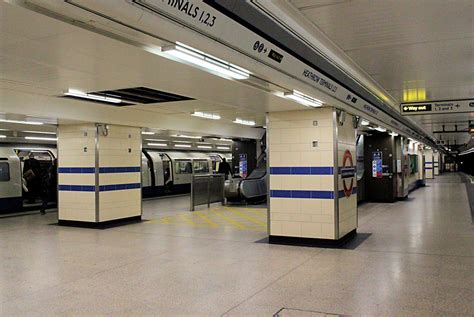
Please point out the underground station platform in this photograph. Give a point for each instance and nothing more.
(412, 258)
(297, 158)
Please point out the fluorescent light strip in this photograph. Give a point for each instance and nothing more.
(198, 58)
(179, 141)
(380, 129)
(40, 138)
(157, 144)
(83, 95)
(393, 134)
(206, 115)
(304, 99)
(223, 148)
(22, 122)
(2, 136)
(182, 145)
(148, 133)
(244, 122)
(40, 132)
(364, 122)
(187, 136)
(204, 147)
(156, 140)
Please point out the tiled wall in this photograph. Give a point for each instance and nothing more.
(346, 141)
(117, 190)
(429, 163)
(302, 173)
(76, 172)
(119, 180)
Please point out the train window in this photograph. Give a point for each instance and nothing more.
(201, 167)
(4, 172)
(183, 167)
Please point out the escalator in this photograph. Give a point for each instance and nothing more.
(254, 187)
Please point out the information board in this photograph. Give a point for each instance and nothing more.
(243, 165)
(377, 164)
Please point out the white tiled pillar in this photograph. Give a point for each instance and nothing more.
(99, 174)
(312, 176)
(429, 163)
(421, 178)
(436, 163)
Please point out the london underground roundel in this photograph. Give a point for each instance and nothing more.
(347, 173)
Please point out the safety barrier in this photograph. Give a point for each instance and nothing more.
(207, 189)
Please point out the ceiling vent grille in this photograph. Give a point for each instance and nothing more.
(134, 96)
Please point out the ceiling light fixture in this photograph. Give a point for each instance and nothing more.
(364, 122)
(380, 129)
(223, 148)
(179, 141)
(204, 147)
(182, 145)
(186, 136)
(40, 138)
(191, 55)
(2, 136)
(157, 144)
(148, 133)
(393, 134)
(303, 99)
(40, 132)
(22, 122)
(156, 140)
(206, 115)
(84, 95)
(244, 122)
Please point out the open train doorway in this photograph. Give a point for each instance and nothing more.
(28, 176)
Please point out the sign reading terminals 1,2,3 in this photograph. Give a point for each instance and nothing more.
(243, 165)
(377, 164)
(437, 107)
(347, 173)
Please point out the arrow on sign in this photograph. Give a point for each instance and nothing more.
(405, 108)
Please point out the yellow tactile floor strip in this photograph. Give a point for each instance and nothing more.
(247, 219)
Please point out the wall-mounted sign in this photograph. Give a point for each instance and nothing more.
(275, 56)
(377, 164)
(347, 173)
(213, 20)
(437, 107)
(243, 165)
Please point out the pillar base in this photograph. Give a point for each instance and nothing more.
(100, 225)
(312, 242)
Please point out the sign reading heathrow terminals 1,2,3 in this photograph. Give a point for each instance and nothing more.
(437, 107)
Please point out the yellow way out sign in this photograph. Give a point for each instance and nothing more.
(437, 107)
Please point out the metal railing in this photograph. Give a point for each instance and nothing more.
(207, 189)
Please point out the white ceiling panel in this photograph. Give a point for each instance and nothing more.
(356, 24)
(421, 46)
(13, 22)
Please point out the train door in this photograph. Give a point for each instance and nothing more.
(35, 165)
(215, 161)
(168, 176)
